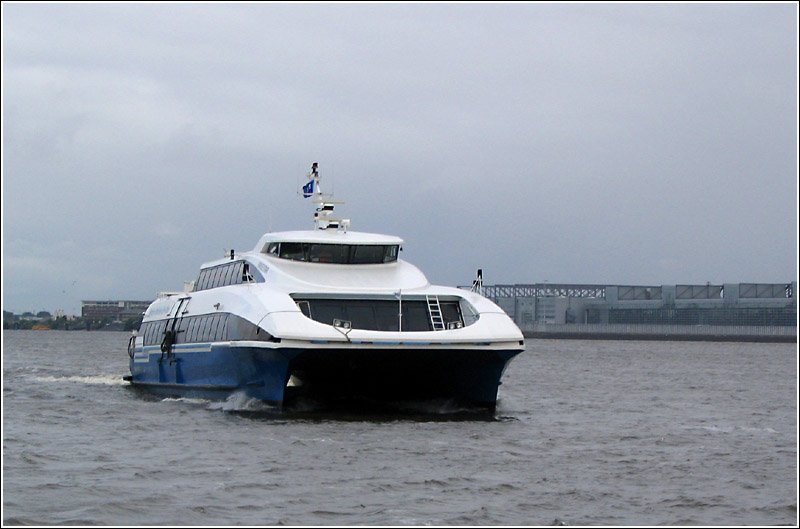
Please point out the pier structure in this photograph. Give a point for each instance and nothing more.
(730, 311)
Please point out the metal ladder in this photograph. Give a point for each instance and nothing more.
(435, 312)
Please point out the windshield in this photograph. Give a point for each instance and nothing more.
(334, 253)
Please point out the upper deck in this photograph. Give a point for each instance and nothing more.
(325, 237)
(331, 247)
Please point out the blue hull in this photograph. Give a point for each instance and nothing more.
(468, 377)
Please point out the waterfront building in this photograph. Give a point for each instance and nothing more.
(115, 309)
(739, 309)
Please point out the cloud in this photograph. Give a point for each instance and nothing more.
(619, 143)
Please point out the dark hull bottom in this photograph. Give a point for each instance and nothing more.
(331, 378)
(399, 379)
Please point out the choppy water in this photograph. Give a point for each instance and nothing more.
(586, 432)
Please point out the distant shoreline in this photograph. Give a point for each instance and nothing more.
(660, 337)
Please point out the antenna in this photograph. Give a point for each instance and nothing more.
(324, 209)
(477, 284)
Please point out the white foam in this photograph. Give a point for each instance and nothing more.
(239, 401)
(186, 399)
(102, 380)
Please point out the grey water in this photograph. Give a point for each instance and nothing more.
(585, 433)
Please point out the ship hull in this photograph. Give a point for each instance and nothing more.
(326, 376)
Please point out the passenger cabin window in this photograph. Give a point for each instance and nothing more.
(233, 273)
(334, 253)
(381, 315)
(203, 328)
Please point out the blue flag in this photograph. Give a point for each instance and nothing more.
(308, 189)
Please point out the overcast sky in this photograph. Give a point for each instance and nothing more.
(581, 143)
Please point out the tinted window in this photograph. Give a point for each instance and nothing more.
(190, 329)
(217, 278)
(183, 324)
(305, 308)
(214, 332)
(325, 310)
(154, 332)
(416, 317)
(378, 315)
(292, 250)
(387, 316)
(202, 327)
(367, 254)
(230, 274)
(223, 326)
(451, 312)
(337, 253)
(237, 273)
(328, 253)
(151, 333)
(201, 280)
(361, 315)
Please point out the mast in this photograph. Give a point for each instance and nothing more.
(324, 209)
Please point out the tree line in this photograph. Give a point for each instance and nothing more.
(11, 322)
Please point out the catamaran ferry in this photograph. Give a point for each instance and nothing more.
(329, 313)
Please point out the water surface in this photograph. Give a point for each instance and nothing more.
(586, 432)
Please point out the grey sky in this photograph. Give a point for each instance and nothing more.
(624, 143)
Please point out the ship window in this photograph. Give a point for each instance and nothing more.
(305, 308)
(154, 326)
(223, 335)
(292, 250)
(386, 316)
(180, 336)
(327, 253)
(367, 254)
(377, 315)
(335, 253)
(155, 332)
(202, 328)
(236, 273)
(228, 271)
(145, 332)
(416, 317)
(244, 274)
(325, 311)
(216, 279)
(209, 330)
(217, 327)
(451, 312)
(212, 327)
(190, 331)
(361, 315)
